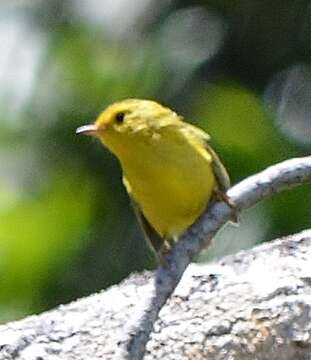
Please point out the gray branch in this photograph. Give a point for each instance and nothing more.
(101, 321)
(253, 305)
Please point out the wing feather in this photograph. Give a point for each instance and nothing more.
(200, 137)
(153, 239)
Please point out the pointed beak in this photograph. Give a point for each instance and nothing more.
(90, 130)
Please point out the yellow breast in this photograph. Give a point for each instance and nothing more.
(170, 179)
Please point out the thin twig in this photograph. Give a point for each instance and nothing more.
(244, 195)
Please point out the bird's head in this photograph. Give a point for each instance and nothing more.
(128, 120)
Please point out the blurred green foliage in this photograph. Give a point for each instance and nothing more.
(38, 234)
(66, 226)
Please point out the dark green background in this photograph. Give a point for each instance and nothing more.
(239, 69)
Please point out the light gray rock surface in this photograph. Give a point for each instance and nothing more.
(253, 305)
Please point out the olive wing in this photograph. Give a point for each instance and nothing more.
(153, 239)
(201, 138)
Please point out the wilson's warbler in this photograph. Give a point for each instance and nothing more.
(169, 170)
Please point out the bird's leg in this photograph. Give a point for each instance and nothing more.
(222, 196)
(165, 249)
(162, 252)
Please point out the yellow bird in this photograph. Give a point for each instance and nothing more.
(169, 169)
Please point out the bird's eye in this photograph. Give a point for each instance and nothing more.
(120, 117)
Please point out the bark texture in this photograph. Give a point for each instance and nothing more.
(252, 305)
